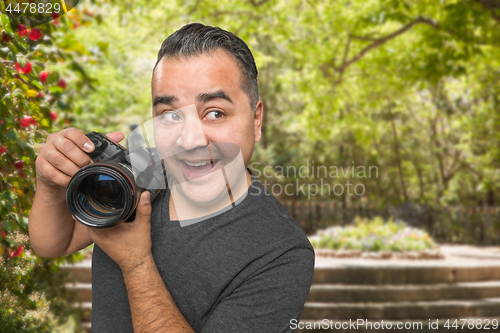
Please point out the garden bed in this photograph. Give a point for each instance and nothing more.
(376, 239)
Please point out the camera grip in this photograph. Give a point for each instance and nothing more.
(105, 149)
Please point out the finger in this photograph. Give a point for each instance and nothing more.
(54, 175)
(116, 136)
(143, 212)
(61, 162)
(72, 151)
(79, 139)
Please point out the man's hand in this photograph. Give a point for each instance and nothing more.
(63, 155)
(53, 231)
(129, 243)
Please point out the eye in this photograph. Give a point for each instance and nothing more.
(171, 116)
(213, 115)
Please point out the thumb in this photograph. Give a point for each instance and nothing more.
(143, 211)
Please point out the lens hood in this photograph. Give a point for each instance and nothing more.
(88, 209)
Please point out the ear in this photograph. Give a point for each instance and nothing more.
(257, 119)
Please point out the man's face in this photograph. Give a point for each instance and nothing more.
(203, 122)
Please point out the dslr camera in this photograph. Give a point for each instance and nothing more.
(106, 192)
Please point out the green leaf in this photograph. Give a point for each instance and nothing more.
(5, 20)
(37, 84)
(13, 48)
(56, 89)
(53, 78)
(103, 46)
(45, 122)
(22, 222)
(11, 56)
(8, 195)
(45, 111)
(10, 226)
(18, 92)
(12, 136)
(22, 61)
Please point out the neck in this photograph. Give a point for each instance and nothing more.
(234, 194)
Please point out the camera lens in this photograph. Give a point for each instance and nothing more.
(103, 194)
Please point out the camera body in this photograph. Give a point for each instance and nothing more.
(106, 192)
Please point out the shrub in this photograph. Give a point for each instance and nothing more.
(374, 235)
(35, 100)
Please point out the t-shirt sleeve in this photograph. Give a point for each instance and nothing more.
(269, 299)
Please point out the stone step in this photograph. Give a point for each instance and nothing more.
(486, 307)
(369, 274)
(79, 292)
(420, 326)
(80, 271)
(85, 327)
(401, 293)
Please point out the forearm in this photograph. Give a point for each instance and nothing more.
(151, 305)
(51, 225)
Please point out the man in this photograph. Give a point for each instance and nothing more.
(245, 268)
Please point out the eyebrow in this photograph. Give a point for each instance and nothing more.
(203, 98)
(166, 99)
(207, 97)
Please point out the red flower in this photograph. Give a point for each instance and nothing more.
(2, 150)
(25, 70)
(19, 165)
(25, 122)
(56, 21)
(22, 30)
(75, 24)
(35, 34)
(53, 116)
(54, 15)
(2, 233)
(17, 252)
(5, 37)
(43, 76)
(39, 95)
(33, 121)
(62, 83)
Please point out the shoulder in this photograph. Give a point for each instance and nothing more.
(265, 218)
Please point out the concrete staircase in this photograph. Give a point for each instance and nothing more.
(81, 290)
(379, 291)
(402, 291)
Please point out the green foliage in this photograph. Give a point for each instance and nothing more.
(33, 103)
(374, 235)
(31, 298)
(408, 86)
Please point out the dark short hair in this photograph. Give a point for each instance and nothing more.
(195, 39)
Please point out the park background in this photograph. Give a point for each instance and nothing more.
(410, 87)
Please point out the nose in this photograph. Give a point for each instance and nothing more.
(192, 135)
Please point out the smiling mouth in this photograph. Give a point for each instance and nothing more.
(195, 169)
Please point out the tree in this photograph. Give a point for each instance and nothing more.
(346, 82)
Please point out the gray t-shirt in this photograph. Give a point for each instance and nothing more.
(248, 269)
